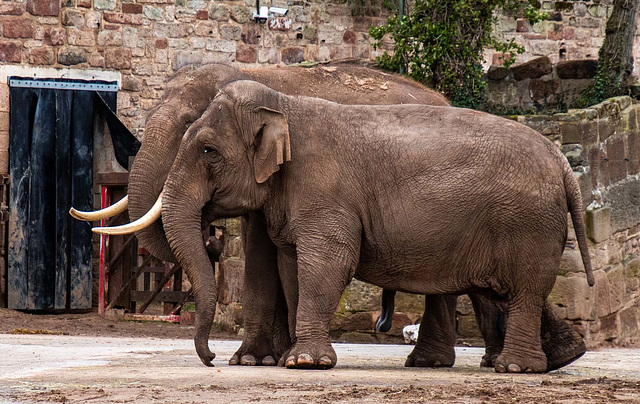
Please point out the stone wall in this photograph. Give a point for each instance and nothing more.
(602, 144)
(148, 40)
(539, 85)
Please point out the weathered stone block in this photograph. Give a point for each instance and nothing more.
(574, 294)
(231, 32)
(617, 287)
(118, 58)
(349, 37)
(571, 132)
(41, 56)
(574, 154)
(616, 147)
(240, 14)
(571, 262)
(310, 33)
(468, 327)
(73, 18)
(246, 53)
(12, 9)
(132, 8)
(632, 278)
(110, 38)
(577, 69)
(219, 12)
(219, 45)
(104, 4)
(609, 327)
(497, 73)
(184, 58)
(541, 89)
(71, 56)
(251, 35)
(202, 15)
(18, 27)
(602, 291)
(622, 197)
(153, 13)
(464, 306)
(532, 69)
(292, 55)
(629, 323)
(598, 224)
(43, 7)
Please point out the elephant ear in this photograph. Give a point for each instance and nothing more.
(273, 145)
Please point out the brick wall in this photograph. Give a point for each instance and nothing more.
(148, 40)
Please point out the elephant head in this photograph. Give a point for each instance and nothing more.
(186, 97)
(225, 161)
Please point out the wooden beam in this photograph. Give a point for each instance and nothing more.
(164, 296)
(112, 179)
(159, 287)
(134, 276)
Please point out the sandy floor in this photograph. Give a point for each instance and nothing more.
(60, 368)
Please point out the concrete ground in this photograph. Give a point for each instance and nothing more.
(58, 368)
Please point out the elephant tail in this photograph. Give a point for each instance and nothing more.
(574, 202)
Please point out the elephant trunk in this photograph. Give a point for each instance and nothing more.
(148, 173)
(182, 215)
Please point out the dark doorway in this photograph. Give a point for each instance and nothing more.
(51, 168)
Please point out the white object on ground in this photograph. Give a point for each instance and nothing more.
(410, 333)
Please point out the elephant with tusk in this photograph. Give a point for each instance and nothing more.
(266, 319)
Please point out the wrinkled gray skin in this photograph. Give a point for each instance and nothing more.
(265, 312)
(432, 200)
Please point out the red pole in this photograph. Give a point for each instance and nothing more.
(105, 201)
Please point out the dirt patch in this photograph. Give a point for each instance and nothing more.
(590, 391)
(90, 324)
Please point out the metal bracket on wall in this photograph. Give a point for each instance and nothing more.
(63, 85)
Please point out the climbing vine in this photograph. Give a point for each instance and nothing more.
(440, 43)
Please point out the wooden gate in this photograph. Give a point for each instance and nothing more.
(51, 168)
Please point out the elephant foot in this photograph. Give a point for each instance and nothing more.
(253, 356)
(560, 342)
(430, 359)
(562, 351)
(308, 356)
(510, 363)
(489, 359)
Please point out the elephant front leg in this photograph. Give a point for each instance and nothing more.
(437, 335)
(266, 325)
(325, 268)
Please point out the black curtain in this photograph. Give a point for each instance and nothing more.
(51, 167)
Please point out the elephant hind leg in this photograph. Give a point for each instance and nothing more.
(437, 334)
(560, 342)
(491, 320)
(522, 352)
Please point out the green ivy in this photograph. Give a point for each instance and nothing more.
(440, 43)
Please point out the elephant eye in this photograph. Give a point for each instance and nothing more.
(207, 150)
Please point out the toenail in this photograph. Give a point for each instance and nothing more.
(325, 361)
(291, 361)
(268, 361)
(305, 359)
(248, 360)
(513, 368)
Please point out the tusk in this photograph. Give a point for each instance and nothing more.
(145, 221)
(112, 210)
